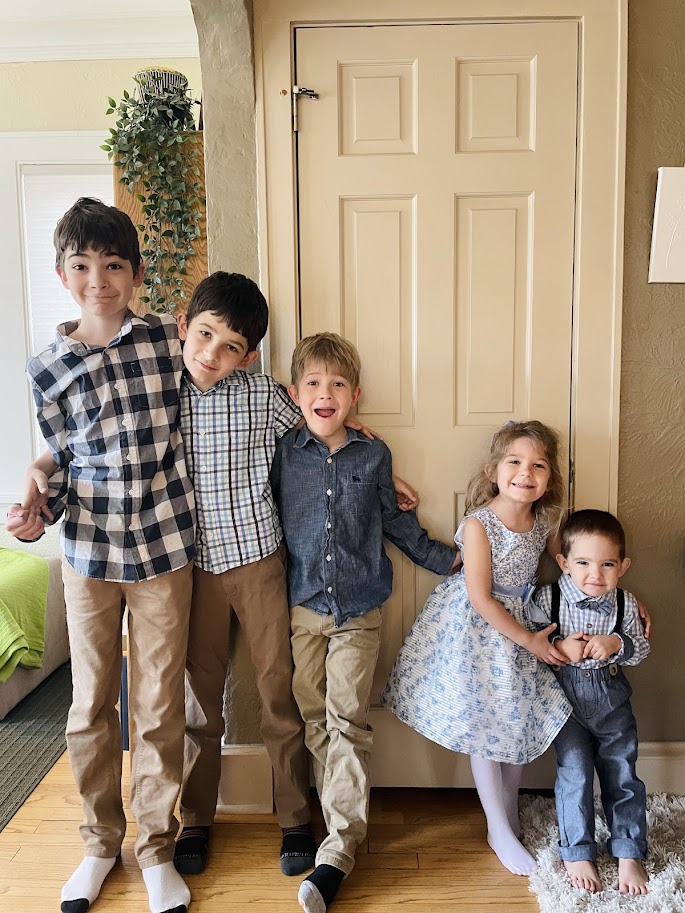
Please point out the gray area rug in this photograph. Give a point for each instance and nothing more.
(32, 740)
(666, 863)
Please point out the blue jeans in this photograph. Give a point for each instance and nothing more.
(600, 735)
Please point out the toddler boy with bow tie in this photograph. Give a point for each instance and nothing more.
(598, 630)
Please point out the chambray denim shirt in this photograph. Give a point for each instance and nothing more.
(335, 509)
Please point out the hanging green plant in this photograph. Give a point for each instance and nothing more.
(152, 146)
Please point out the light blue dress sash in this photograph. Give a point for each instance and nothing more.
(524, 592)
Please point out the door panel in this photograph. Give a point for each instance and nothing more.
(436, 192)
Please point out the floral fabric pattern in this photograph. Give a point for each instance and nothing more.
(461, 683)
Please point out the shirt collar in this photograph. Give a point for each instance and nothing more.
(64, 331)
(573, 595)
(304, 436)
(234, 379)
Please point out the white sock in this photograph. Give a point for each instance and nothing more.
(511, 781)
(165, 888)
(87, 880)
(493, 796)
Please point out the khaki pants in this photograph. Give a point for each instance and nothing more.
(334, 670)
(157, 643)
(257, 594)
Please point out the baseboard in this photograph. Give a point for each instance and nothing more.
(423, 764)
(662, 767)
(247, 788)
(246, 785)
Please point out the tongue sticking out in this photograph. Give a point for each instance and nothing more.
(325, 413)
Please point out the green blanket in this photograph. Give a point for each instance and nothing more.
(23, 599)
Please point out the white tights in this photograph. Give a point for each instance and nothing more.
(498, 786)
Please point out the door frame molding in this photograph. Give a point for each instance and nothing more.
(598, 256)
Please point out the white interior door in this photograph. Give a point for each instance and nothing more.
(436, 194)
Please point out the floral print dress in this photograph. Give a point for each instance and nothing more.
(461, 683)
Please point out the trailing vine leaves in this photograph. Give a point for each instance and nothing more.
(159, 166)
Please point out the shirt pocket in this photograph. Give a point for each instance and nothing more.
(360, 495)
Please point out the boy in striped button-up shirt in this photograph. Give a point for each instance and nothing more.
(231, 421)
(599, 630)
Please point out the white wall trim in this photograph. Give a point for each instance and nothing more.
(30, 40)
(246, 780)
(660, 764)
(246, 786)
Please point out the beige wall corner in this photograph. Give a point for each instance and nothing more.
(652, 438)
(224, 29)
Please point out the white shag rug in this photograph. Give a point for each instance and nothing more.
(665, 865)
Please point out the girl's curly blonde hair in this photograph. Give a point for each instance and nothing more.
(482, 487)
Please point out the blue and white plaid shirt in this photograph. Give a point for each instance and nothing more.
(230, 434)
(578, 612)
(110, 418)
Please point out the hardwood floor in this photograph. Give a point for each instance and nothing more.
(425, 853)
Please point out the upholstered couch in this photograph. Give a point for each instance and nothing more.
(23, 681)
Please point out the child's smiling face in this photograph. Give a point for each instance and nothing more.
(594, 563)
(101, 282)
(325, 397)
(523, 474)
(211, 349)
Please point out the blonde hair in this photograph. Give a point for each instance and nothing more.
(482, 487)
(329, 349)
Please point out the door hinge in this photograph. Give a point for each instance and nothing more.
(299, 91)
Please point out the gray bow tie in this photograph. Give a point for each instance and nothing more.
(603, 605)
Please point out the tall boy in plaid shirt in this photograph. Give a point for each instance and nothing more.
(599, 630)
(107, 397)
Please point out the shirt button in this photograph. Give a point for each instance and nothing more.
(328, 525)
(202, 433)
(203, 468)
(129, 457)
(330, 589)
(328, 557)
(589, 625)
(329, 492)
(124, 423)
(329, 460)
(131, 492)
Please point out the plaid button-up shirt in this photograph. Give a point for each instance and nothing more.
(576, 613)
(230, 435)
(110, 418)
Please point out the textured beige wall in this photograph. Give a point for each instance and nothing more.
(652, 439)
(72, 94)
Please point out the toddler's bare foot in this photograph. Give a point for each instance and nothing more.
(583, 874)
(632, 877)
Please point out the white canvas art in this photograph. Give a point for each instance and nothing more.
(667, 260)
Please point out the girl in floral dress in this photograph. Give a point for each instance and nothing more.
(472, 674)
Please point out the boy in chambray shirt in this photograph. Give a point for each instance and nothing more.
(335, 495)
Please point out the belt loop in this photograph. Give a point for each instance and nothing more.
(613, 669)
